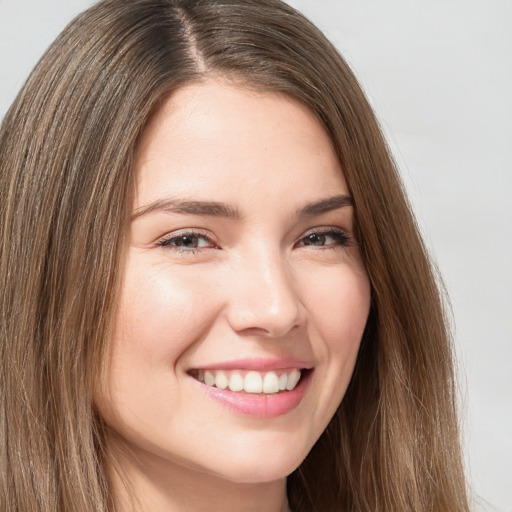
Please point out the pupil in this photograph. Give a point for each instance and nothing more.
(316, 239)
(189, 241)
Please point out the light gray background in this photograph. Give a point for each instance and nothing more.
(439, 75)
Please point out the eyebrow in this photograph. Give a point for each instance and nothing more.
(190, 207)
(325, 205)
(216, 209)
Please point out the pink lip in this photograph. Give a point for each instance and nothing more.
(259, 364)
(259, 405)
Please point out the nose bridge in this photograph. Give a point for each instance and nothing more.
(265, 296)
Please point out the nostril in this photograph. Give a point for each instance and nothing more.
(258, 322)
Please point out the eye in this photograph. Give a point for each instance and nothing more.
(326, 238)
(187, 241)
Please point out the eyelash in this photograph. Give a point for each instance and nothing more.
(342, 239)
(168, 240)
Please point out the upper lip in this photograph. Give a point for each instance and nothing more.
(258, 364)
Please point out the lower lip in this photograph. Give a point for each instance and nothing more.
(259, 405)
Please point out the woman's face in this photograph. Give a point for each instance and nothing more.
(242, 274)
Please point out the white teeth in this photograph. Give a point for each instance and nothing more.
(270, 383)
(293, 379)
(209, 379)
(236, 382)
(252, 382)
(221, 381)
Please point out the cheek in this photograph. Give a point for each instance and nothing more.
(339, 311)
(162, 313)
(340, 307)
(160, 316)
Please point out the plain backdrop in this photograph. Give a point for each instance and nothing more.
(439, 75)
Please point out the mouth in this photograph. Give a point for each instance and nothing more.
(251, 381)
(257, 387)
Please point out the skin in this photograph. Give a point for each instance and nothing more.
(255, 287)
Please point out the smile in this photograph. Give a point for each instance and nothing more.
(257, 387)
(270, 382)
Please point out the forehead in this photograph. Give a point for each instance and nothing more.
(213, 138)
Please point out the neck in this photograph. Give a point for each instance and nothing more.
(148, 483)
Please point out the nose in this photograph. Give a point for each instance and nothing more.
(264, 298)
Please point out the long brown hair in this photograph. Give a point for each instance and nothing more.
(66, 153)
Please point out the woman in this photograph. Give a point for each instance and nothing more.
(225, 300)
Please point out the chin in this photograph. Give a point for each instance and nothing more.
(265, 466)
(262, 473)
